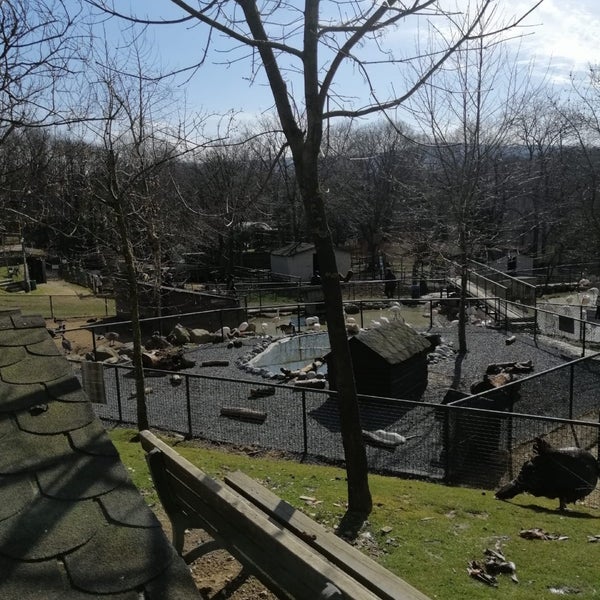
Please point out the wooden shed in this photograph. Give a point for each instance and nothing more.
(389, 361)
(299, 259)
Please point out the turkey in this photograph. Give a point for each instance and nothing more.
(568, 474)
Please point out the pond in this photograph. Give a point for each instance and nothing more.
(293, 352)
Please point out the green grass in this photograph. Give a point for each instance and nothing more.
(435, 530)
(58, 299)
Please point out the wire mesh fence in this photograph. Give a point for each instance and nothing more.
(59, 306)
(455, 444)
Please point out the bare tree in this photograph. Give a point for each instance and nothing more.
(582, 114)
(309, 48)
(468, 114)
(139, 139)
(539, 211)
(375, 165)
(37, 56)
(39, 51)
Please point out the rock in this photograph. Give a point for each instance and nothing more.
(200, 336)
(351, 309)
(179, 336)
(104, 353)
(157, 342)
(173, 360)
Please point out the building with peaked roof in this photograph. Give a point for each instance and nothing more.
(299, 259)
(72, 524)
(389, 361)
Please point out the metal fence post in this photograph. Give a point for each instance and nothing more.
(583, 328)
(51, 307)
(571, 389)
(118, 388)
(509, 440)
(304, 424)
(94, 345)
(431, 314)
(188, 402)
(446, 449)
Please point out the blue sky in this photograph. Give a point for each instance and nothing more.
(562, 33)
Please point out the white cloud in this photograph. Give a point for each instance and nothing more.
(567, 32)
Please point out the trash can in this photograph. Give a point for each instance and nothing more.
(415, 291)
(32, 285)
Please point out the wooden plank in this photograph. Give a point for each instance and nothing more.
(362, 568)
(275, 555)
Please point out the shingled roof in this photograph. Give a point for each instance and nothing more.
(395, 341)
(72, 524)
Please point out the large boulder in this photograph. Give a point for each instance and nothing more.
(179, 336)
(106, 354)
(166, 360)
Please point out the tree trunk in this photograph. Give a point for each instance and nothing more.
(359, 495)
(462, 307)
(138, 367)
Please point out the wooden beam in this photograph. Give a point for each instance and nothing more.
(280, 559)
(358, 565)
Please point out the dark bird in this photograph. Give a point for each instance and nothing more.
(569, 474)
(66, 344)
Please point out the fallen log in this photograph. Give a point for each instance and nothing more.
(215, 363)
(262, 392)
(243, 414)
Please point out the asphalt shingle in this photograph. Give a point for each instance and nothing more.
(72, 524)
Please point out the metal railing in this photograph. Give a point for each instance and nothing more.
(508, 287)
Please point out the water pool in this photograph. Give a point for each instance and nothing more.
(294, 352)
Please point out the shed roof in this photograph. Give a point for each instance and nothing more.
(72, 524)
(395, 341)
(294, 248)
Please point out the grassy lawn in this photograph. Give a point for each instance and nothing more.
(426, 533)
(58, 298)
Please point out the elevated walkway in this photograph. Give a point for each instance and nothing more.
(497, 304)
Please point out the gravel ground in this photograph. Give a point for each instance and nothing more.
(485, 346)
(308, 422)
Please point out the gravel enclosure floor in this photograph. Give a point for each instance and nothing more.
(484, 346)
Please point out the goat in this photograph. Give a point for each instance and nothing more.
(287, 329)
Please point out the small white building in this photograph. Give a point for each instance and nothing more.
(299, 259)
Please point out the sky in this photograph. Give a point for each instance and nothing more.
(561, 36)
